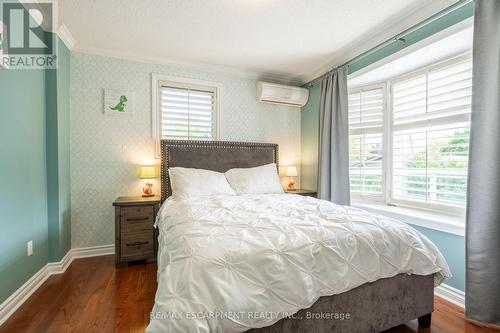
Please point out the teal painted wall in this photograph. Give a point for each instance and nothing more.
(309, 129)
(63, 114)
(58, 165)
(23, 186)
(34, 170)
(453, 249)
(51, 161)
(452, 246)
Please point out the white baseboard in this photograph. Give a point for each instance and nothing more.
(14, 301)
(452, 295)
(94, 251)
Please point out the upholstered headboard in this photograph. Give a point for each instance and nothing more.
(212, 155)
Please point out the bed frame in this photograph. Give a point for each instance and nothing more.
(372, 307)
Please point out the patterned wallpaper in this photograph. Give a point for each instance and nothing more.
(106, 150)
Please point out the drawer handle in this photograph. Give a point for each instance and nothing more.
(138, 219)
(137, 243)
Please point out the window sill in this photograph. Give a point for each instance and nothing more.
(453, 224)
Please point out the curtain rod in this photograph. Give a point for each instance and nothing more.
(397, 38)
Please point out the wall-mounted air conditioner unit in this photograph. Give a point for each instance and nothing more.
(281, 94)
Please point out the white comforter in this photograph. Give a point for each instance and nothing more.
(229, 263)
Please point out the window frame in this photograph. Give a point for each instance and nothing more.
(368, 197)
(159, 80)
(387, 144)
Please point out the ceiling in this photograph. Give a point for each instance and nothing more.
(290, 39)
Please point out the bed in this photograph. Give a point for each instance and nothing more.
(282, 262)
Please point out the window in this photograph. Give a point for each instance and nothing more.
(366, 109)
(185, 109)
(425, 141)
(431, 116)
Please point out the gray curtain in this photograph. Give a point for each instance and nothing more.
(482, 292)
(333, 173)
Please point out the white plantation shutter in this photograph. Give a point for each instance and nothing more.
(188, 112)
(431, 117)
(366, 110)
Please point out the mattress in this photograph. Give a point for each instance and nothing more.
(230, 263)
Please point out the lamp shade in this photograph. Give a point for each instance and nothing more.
(291, 171)
(148, 171)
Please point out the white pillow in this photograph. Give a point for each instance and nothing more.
(189, 183)
(259, 180)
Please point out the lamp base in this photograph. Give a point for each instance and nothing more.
(147, 190)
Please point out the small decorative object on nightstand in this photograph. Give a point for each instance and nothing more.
(306, 193)
(148, 172)
(291, 172)
(135, 236)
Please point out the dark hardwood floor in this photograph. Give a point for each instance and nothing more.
(93, 296)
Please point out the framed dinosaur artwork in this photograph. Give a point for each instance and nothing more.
(118, 102)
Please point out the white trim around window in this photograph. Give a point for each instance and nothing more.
(159, 80)
(451, 224)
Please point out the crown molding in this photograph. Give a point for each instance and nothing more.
(66, 36)
(380, 34)
(209, 68)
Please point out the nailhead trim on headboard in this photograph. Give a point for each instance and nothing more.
(166, 190)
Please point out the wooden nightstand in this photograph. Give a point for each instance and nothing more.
(306, 193)
(135, 236)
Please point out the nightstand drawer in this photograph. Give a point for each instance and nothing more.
(136, 225)
(136, 213)
(137, 246)
(136, 219)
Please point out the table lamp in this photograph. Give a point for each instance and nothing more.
(291, 172)
(148, 172)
